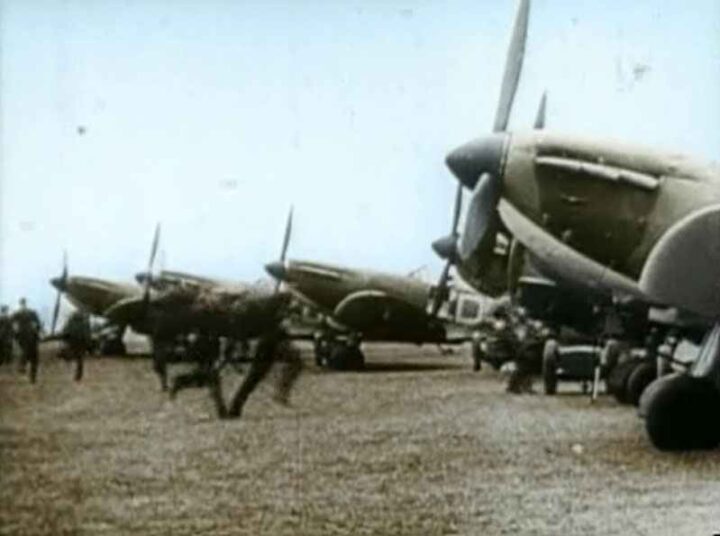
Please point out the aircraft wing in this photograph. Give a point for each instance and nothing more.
(367, 310)
(126, 311)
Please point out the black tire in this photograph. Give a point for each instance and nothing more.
(682, 415)
(549, 366)
(617, 380)
(113, 347)
(356, 359)
(343, 357)
(640, 377)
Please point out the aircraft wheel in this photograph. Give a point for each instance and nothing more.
(618, 380)
(611, 353)
(549, 366)
(113, 347)
(356, 359)
(682, 415)
(344, 357)
(639, 378)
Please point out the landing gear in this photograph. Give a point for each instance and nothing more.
(617, 383)
(338, 354)
(344, 356)
(681, 415)
(114, 347)
(681, 410)
(640, 377)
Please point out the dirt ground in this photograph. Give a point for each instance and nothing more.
(416, 445)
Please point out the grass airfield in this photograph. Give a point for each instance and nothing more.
(416, 445)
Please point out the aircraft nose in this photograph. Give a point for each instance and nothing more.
(276, 269)
(57, 282)
(140, 277)
(445, 247)
(471, 160)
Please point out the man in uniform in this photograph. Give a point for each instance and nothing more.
(273, 346)
(528, 354)
(27, 328)
(204, 350)
(78, 337)
(6, 335)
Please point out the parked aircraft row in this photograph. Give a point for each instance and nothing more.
(616, 230)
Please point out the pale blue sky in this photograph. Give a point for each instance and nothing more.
(214, 117)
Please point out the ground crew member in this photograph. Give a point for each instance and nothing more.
(6, 335)
(78, 337)
(27, 327)
(163, 346)
(528, 352)
(273, 346)
(204, 350)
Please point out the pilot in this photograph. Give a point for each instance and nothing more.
(204, 350)
(6, 335)
(27, 327)
(78, 337)
(273, 346)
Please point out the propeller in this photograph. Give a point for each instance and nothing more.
(60, 284)
(516, 259)
(151, 262)
(478, 165)
(540, 118)
(446, 249)
(278, 268)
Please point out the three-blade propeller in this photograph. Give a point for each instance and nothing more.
(478, 166)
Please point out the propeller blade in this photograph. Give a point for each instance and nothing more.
(151, 262)
(440, 290)
(286, 238)
(479, 213)
(515, 266)
(153, 251)
(513, 67)
(457, 208)
(56, 312)
(285, 245)
(540, 119)
(60, 288)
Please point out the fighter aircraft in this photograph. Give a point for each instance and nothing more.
(93, 296)
(166, 279)
(176, 309)
(359, 305)
(601, 214)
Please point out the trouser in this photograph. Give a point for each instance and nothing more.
(202, 376)
(77, 353)
(29, 355)
(160, 350)
(520, 379)
(270, 348)
(6, 348)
